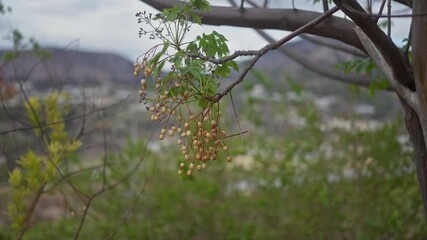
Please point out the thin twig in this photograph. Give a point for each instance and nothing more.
(270, 47)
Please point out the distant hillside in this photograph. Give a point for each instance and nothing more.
(80, 67)
(70, 67)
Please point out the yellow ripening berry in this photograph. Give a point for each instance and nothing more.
(191, 166)
(181, 165)
(189, 172)
(225, 148)
(213, 122)
(180, 172)
(204, 166)
(186, 125)
(199, 167)
(171, 132)
(229, 159)
(205, 118)
(183, 134)
(141, 93)
(188, 132)
(150, 70)
(187, 157)
(135, 73)
(179, 141)
(157, 86)
(163, 131)
(173, 128)
(143, 82)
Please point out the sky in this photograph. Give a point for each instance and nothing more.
(111, 25)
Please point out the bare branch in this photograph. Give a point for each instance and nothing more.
(406, 94)
(390, 52)
(233, 56)
(270, 47)
(282, 19)
(342, 48)
(361, 80)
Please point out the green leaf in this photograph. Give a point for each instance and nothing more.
(15, 178)
(202, 5)
(156, 57)
(192, 47)
(172, 14)
(222, 70)
(158, 69)
(379, 83)
(203, 103)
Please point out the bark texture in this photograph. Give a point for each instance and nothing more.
(418, 128)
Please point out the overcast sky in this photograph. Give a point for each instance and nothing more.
(108, 25)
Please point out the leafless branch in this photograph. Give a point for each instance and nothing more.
(339, 47)
(409, 96)
(270, 47)
(233, 56)
(361, 80)
(281, 19)
(342, 47)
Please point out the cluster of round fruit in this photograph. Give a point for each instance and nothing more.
(199, 135)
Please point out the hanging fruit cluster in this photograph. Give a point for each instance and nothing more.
(197, 130)
(192, 80)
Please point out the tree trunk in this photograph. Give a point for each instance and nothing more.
(414, 128)
(416, 122)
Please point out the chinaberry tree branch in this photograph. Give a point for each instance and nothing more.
(376, 55)
(402, 70)
(281, 19)
(273, 46)
(342, 47)
(358, 79)
(233, 56)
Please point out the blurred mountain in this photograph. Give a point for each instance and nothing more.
(69, 67)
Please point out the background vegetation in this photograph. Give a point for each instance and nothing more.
(296, 174)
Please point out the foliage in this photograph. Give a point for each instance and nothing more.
(303, 182)
(37, 171)
(193, 79)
